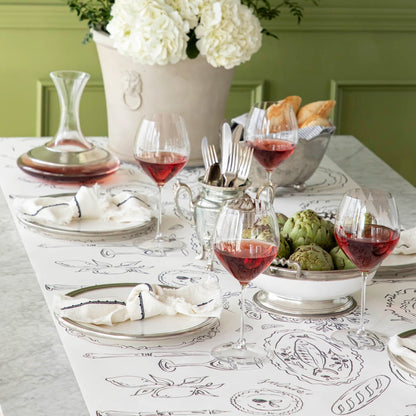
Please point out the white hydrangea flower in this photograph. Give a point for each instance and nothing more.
(190, 10)
(149, 31)
(228, 34)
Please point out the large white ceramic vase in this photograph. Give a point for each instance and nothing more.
(192, 88)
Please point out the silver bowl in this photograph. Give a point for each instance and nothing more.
(307, 293)
(300, 166)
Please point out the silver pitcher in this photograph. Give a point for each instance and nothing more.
(205, 208)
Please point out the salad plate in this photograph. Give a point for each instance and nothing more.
(155, 328)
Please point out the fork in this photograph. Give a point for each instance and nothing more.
(244, 166)
(212, 155)
(232, 165)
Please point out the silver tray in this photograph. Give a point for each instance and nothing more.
(304, 308)
(157, 327)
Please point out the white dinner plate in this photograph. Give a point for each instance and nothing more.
(398, 260)
(401, 362)
(157, 327)
(86, 227)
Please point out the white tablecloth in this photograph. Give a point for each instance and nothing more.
(308, 370)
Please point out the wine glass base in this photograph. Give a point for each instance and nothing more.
(365, 340)
(232, 352)
(159, 247)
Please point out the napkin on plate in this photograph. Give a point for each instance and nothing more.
(407, 242)
(87, 203)
(201, 299)
(404, 348)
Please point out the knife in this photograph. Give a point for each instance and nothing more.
(226, 143)
(237, 133)
(204, 151)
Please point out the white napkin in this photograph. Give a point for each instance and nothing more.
(404, 348)
(144, 301)
(407, 242)
(87, 203)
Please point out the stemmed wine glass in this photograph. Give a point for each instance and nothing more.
(272, 131)
(161, 148)
(246, 240)
(367, 230)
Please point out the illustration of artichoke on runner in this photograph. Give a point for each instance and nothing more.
(165, 388)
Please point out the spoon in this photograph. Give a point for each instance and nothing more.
(213, 175)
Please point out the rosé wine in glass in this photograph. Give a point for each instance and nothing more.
(367, 230)
(272, 131)
(161, 148)
(246, 241)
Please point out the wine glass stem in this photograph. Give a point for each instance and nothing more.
(269, 177)
(241, 343)
(159, 235)
(364, 276)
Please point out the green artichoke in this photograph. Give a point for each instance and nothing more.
(312, 257)
(261, 230)
(281, 219)
(307, 227)
(284, 248)
(341, 261)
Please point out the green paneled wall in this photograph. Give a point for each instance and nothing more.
(360, 52)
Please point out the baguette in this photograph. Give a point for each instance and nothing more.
(315, 120)
(320, 108)
(278, 116)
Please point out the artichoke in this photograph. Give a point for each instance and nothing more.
(284, 248)
(307, 227)
(261, 230)
(313, 257)
(281, 219)
(341, 261)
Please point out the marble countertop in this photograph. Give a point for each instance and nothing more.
(36, 377)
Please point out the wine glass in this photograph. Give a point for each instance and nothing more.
(272, 131)
(246, 240)
(161, 148)
(367, 230)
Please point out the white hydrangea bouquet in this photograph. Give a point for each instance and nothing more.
(159, 32)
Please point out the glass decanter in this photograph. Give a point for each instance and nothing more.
(69, 156)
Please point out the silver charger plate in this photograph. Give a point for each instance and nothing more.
(304, 308)
(155, 328)
(399, 361)
(89, 228)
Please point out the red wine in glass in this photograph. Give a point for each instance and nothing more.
(273, 135)
(369, 249)
(270, 153)
(161, 148)
(245, 259)
(161, 166)
(367, 230)
(246, 241)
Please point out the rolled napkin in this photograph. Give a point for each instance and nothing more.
(404, 348)
(87, 203)
(201, 299)
(407, 242)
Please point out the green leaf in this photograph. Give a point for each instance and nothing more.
(191, 50)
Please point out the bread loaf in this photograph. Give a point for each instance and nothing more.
(294, 100)
(315, 120)
(320, 108)
(278, 116)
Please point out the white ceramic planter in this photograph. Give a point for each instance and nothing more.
(192, 88)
